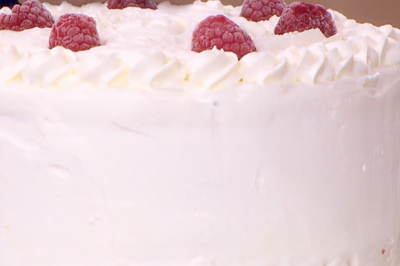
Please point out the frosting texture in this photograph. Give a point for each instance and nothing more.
(144, 48)
(140, 152)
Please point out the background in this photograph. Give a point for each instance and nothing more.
(377, 12)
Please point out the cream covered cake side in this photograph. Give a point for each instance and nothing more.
(141, 152)
(301, 175)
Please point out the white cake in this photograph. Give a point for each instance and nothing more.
(140, 152)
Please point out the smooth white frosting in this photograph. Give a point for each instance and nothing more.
(131, 36)
(206, 160)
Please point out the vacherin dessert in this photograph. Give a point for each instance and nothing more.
(142, 152)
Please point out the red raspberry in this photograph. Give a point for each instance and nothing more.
(257, 10)
(121, 4)
(223, 33)
(26, 16)
(300, 16)
(76, 32)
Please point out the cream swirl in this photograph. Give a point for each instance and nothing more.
(49, 67)
(154, 71)
(213, 69)
(100, 68)
(12, 60)
(266, 69)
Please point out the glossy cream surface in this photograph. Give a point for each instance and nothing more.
(143, 153)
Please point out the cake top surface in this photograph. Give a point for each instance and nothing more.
(145, 48)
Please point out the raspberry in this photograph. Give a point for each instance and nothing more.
(121, 4)
(223, 33)
(300, 16)
(26, 16)
(257, 10)
(76, 32)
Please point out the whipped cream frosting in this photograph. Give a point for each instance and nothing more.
(288, 157)
(144, 48)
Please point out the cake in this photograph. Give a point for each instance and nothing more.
(141, 152)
